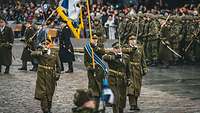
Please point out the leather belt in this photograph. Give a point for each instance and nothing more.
(134, 63)
(116, 72)
(45, 67)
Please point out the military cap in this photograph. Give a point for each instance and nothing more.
(94, 36)
(81, 96)
(116, 45)
(132, 37)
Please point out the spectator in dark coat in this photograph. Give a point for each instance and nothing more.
(6, 41)
(66, 52)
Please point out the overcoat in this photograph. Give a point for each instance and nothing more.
(6, 41)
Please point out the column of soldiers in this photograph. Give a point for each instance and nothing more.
(179, 34)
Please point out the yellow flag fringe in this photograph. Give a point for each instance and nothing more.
(75, 31)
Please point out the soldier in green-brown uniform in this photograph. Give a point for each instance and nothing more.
(96, 73)
(118, 72)
(137, 69)
(100, 31)
(47, 75)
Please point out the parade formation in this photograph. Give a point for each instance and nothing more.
(114, 74)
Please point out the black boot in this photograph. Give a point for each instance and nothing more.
(24, 66)
(62, 66)
(121, 110)
(0, 68)
(70, 68)
(49, 106)
(7, 70)
(135, 106)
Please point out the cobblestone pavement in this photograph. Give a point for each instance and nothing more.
(174, 90)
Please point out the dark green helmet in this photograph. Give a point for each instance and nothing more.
(81, 96)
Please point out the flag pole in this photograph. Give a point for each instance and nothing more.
(90, 30)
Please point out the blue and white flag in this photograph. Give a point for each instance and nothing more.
(71, 12)
(71, 6)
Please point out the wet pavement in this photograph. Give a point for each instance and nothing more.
(173, 90)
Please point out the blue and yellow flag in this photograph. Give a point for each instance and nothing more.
(69, 11)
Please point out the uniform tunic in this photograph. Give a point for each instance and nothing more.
(95, 76)
(49, 66)
(117, 77)
(137, 69)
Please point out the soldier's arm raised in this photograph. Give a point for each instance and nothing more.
(36, 53)
(128, 50)
(108, 57)
(100, 50)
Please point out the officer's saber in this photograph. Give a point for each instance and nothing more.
(165, 21)
(171, 49)
(189, 46)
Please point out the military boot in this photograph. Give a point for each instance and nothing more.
(0, 68)
(121, 110)
(135, 106)
(24, 66)
(7, 70)
(70, 68)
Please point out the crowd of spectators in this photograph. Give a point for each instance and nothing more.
(22, 12)
(28, 11)
(108, 14)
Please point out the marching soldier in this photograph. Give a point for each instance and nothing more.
(153, 44)
(118, 64)
(137, 69)
(100, 31)
(6, 41)
(165, 55)
(47, 75)
(95, 76)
